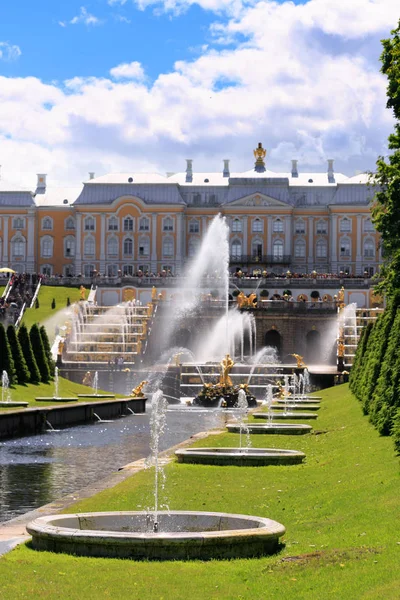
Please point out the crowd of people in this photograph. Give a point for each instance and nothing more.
(22, 289)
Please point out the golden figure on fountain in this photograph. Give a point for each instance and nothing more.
(154, 293)
(137, 392)
(82, 292)
(340, 298)
(282, 393)
(226, 367)
(87, 379)
(299, 360)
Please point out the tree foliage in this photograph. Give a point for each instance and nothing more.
(21, 369)
(47, 349)
(25, 342)
(39, 352)
(6, 359)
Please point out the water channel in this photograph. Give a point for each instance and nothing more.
(38, 469)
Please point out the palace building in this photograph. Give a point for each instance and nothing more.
(122, 223)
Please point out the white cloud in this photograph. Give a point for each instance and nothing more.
(133, 70)
(9, 52)
(304, 80)
(122, 19)
(84, 17)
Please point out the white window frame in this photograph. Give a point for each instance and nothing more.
(69, 224)
(342, 227)
(113, 223)
(92, 241)
(128, 224)
(371, 251)
(300, 249)
(277, 226)
(46, 246)
(257, 225)
(18, 223)
(168, 224)
(144, 224)
(128, 240)
(277, 244)
(113, 239)
(168, 247)
(300, 227)
(321, 249)
(47, 224)
(69, 240)
(194, 226)
(144, 242)
(322, 227)
(89, 223)
(345, 241)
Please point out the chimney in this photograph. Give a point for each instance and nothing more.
(331, 174)
(189, 172)
(41, 183)
(226, 172)
(91, 174)
(295, 172)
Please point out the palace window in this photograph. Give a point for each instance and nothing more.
(88, 270)
(369, 226)
(144, 247)
(278, 226)
(345, 247)
(112, 270)
(89, 246)
(112, 246)
(18, 223)
(168, 224)
(257, 226)
(127, 270)
(113, 224)
(236, 226)
(69, 223)
(345, 225)
(236, 249)
(128, 247)
(322, 228)
(321, 248)
(194, 227)
(300, 249)
(128, 224)
(69, 246)
(47, 223)
(46, 270)
(277, 249)
(90, 224)
(168, 247)
(369, 249)
(194, 245)
(18, 245)
(46, 246)
(300, 227)
(144, 224)
(256, 248)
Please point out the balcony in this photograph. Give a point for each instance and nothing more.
(265, 259)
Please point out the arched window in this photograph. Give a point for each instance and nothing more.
(345, 247)
(236, 249)
(194, 226)
(144, 247)
(69, 246)
(321, 249)
(46, 246)
(127, 270)
(144, 224)
(128, 247)
(88, 270)
(128, 224)
(47, 223)
(112, 270)
(113, 224)
(168, 247)
(369, 248)
(322, 228)
(300, 227)
(68, 270)
(277, 249)
(112, 246)
(194, 245)
(18, 223)
(70, 223)
(90, 224)
(345, 225)
(368, 226)
(300, 249)
(236, 226)
(18, 245)
(168, 224)
(257, 226)
(256, 248)
(89, 246)
(278, 226)
(46, 270)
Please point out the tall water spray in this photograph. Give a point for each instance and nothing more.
(5, 388)
(157, 425)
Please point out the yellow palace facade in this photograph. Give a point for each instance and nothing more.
(122, 223)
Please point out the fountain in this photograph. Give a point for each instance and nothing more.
(6, 393)
(158, 535)
(56, 394)
(95, 387)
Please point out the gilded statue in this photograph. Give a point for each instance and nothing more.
(259, 153)
(60, 347)
(87, 379)
(226, 367)
(154, 293)
(340, 350)
(299, 361)
(340, 298)
(82, 292)
(252, 300)
(137, 392)
(282, 393)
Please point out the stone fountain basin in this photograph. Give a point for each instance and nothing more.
(245, 457)
(272, 428)
(182, 535)
(300, 401)
(295, 406)
(292, 415)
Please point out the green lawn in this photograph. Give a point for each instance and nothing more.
(45, 315)
(67, 388)
(340, 509)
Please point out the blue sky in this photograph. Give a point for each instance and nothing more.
(143, 84)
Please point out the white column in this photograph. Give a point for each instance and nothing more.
(204, 221)
(269, 236)
(30, 264)
(288, 237)
(359, 257)
(333, 244)
(179, 241)
(102, 266)
(78, 244)
(5, 240)
(153, 266)
(310, 244)
(245, 249)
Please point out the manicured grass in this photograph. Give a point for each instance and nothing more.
(67, 388)
(45, 312)
(340, 508)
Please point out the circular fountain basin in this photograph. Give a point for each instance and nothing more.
(245, 457)
(292, 415)
(182, 535)
(272, 428)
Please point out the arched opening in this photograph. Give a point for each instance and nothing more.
(313, 347)
(273, 338)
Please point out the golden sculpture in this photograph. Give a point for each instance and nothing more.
(137, 392)
(252, 300)
(299, 361)
(259, 155)
(340, 351)
(149, 309)
(87, 379)
(282, 394)
(82, 292)
(226, 367)
(246, 302)
(154, 293)
(340, 298)
(60, 347)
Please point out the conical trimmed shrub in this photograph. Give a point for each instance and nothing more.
(47, 349)
(6, 359)
(39, 352)
(21, 369)
(26, 347)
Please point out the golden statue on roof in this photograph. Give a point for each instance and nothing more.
(259, 154)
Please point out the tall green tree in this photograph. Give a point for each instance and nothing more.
(386, 210)
(25, 342)
(47, 349)
(21, 368)
(6, 359)
(39, 352)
